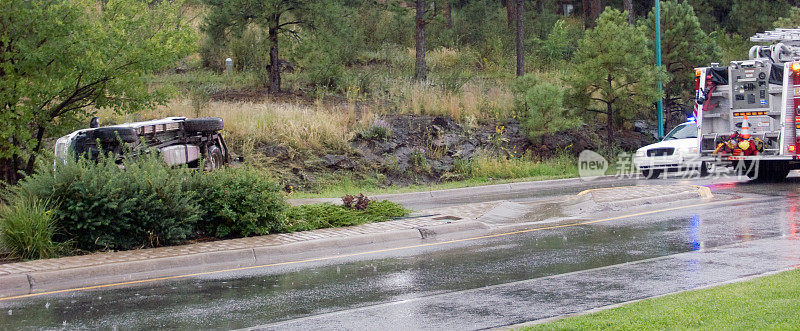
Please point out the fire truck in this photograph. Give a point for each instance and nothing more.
(748, 113)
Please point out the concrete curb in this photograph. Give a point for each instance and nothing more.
(14, 285)
(132, 271)
(586, 202)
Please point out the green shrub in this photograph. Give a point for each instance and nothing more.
(562, 42)
(27, 229)
(237, 202)
(102, 205)
(325, 215)
(542, 105)
(386, 209)
(379, 129)
(381, 24)
(486, 166)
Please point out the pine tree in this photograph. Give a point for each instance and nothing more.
(614, 73)
(684, 46)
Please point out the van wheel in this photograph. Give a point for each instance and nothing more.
(651, 174)
(213, 159)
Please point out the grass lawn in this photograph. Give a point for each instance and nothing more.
(350, 187)
(771, 302)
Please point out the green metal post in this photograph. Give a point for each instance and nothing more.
(658, 63)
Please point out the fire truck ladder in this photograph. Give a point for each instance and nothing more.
(783, 45)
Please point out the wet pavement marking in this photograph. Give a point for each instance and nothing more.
(327, 258)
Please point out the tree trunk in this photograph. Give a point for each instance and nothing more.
(274, 65)
(448, 18)
(627, 5)
(8, 171)
(591, 11)
(420, 70)
(597, 9)
(511, 13)
(520, 38)
(30, 167)
(610, 124)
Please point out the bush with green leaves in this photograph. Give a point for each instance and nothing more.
(325, 215)
(385, 23)
(105, 205)
(237, 202)
(27, 228)
(562, 42)
(542, 107)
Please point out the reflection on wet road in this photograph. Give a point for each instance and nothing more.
(478, 284)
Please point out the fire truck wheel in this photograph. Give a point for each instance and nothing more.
(213, 159)
(651, 174)
(203, 124)
(704, 170)
(768, 172)
(111, 134)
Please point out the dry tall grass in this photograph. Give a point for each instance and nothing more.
(478, 101)
(288, 124)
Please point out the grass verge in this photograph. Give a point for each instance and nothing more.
(370, 187)
(771, 302)
(324, 215)
(478, 172)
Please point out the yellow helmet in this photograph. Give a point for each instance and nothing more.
(744, 145)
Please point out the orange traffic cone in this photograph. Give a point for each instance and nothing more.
(745, 128)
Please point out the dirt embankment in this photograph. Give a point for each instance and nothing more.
(425, 149)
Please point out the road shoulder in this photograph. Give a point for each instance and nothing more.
(424, 227)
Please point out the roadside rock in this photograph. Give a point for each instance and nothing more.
(337, 161)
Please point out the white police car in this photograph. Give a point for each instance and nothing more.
(676, 152)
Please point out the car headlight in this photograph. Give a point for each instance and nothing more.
(640, 153)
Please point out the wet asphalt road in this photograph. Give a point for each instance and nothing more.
(475, 284)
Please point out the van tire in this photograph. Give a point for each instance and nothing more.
(203, 124)
(651, 174)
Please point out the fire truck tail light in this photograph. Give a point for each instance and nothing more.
(698, 72)
(796, 66)
(791, 148)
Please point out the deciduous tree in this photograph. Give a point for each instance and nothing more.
(60, 59)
